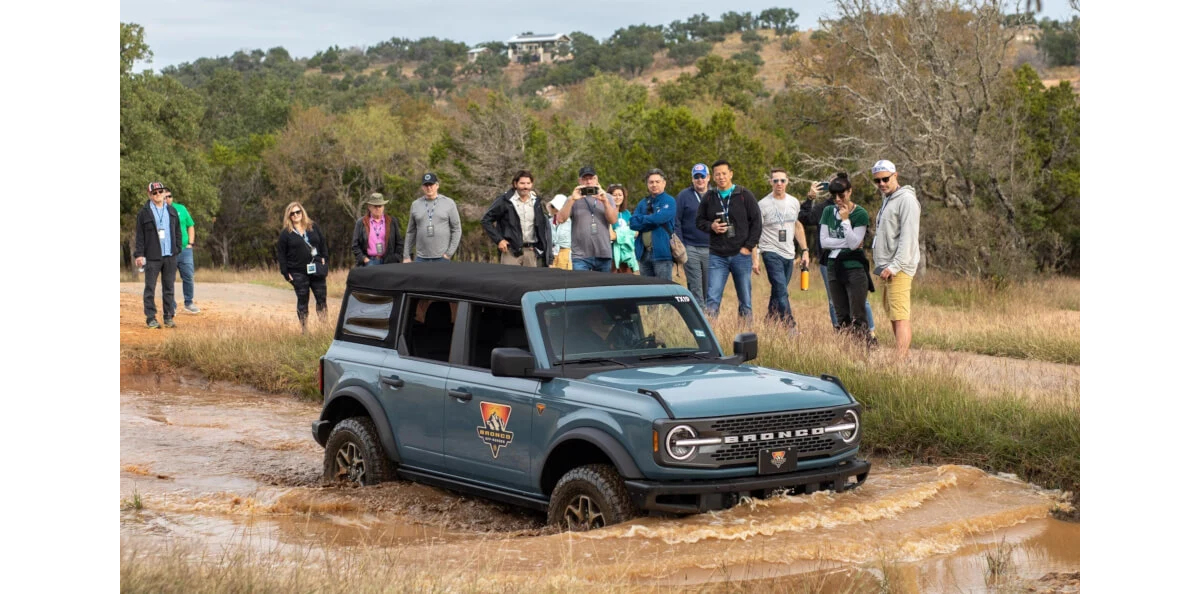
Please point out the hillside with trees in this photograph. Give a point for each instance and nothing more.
(956, 99)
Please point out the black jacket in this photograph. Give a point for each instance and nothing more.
(294, 255)
(146, 234)
(502, 222)
(393, 241)
(743, 211)
(810, 216)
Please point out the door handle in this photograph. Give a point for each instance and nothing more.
(394, 382)
(462, 395)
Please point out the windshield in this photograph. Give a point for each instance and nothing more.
(632, 327)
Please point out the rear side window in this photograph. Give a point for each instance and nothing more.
(429, 327)
(367, 315)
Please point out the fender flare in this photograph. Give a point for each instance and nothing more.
(368, 401)
(607, 444)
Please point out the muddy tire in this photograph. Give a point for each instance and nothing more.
(354, 454)
(590, 497)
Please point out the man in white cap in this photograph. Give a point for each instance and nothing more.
(896, 250)
(560, 234)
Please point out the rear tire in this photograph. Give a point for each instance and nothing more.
(590, 497)
(354, 454)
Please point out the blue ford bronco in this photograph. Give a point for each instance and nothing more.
(595, 397)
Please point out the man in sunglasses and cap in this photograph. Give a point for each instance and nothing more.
(157, 242)
(433, 225)
(695, 241)
(896, 249)
(377, 237)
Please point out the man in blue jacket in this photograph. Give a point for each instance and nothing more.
(654, 218)
(695, 241)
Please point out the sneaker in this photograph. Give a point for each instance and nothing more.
(152, 324)
(191, 308)
(169, 322)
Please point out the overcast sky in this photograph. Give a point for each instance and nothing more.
(184, 30)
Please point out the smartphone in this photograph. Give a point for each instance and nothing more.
(589, 191)
(823, 186)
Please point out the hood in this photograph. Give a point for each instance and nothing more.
(713, 390)
(904, 192)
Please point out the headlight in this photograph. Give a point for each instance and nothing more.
(849, 426)
(674, 449)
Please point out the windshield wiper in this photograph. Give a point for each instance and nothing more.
(598, 360)
(698, 355)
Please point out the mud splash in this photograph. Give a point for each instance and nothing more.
(215, 467)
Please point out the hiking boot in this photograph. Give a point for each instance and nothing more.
(191, 308)
(152, 324)
(169, 322)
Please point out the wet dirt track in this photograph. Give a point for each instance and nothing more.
(217, 467)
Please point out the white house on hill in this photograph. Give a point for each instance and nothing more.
(538, 45)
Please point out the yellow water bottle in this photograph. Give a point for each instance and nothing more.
(803, 277)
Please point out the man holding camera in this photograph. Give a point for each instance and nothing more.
(518, 226)
(730, 215)
(591, 211)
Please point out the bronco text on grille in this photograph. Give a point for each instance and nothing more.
(740, 446)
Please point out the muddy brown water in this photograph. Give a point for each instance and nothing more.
(216, 467)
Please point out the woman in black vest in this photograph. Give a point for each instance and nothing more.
(303, 260)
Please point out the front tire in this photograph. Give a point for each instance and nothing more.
(354, 454)
(590, 497)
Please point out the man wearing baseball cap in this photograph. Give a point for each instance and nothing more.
(695, 241)
(591, 210)
(376, 237)
(433, 225)
(157, 241)
(895, 249)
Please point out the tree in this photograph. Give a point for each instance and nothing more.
(780, 19)
(133, 47)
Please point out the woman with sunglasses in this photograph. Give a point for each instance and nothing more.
(303, 258)
(843, 228)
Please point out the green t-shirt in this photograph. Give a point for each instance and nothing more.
(185, 221)
(858, 218)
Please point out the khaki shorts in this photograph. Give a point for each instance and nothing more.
(897, 296)
(563, 259)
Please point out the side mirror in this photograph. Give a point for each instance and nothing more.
(510, 362)
(746, 345)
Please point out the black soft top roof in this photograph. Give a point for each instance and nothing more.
(486, 282)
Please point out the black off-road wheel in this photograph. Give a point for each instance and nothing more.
(354, 454)
(590, 497)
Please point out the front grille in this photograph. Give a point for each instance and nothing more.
(748, 452)
(769, 423)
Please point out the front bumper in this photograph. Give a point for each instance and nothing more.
(691, 497)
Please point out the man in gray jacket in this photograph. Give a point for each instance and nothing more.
(896, 249)
(433, 225)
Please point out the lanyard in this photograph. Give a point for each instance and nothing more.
(159, 214)
(725, 205)
(429, 210)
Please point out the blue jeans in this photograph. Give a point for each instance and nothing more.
(832, 314)
(719, 268)
(420, 259)
(656, 268)
(187, 273)
(596, 264)
(779, 274)
(374, 261)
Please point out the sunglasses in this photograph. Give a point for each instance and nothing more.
(296, 212)
(881, 180)
(779, 181)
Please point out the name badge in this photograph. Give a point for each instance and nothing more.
(729, 230)
(782, 235)
(429, 231)
(162, 233)
(594, 227)
(378, 248)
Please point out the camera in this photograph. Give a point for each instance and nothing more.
(589, 190)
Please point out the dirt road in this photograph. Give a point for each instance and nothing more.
(211, 468)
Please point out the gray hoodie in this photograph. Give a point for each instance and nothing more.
(897, 228)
